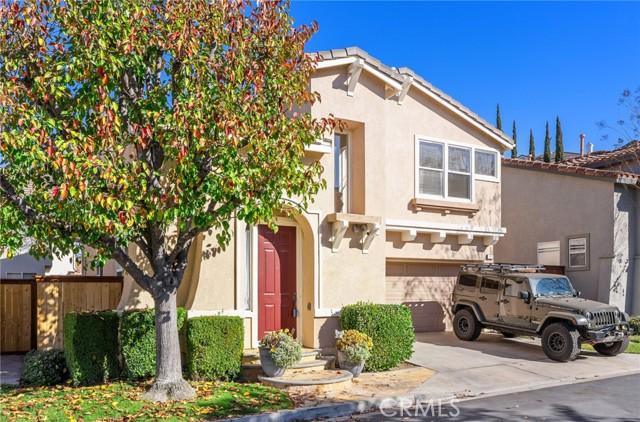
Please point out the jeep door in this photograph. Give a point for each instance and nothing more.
(488, 297)
(514, 310)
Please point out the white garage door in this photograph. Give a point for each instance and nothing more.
(426, 289)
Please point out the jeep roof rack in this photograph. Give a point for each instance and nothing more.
(502, 268)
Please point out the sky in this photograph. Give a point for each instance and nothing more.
(538, 60)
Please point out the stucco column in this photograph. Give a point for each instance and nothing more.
(604, 279)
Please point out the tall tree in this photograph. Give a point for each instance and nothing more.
(146, 124)
(498, 118)
(514, 150)
(532, 145)
(559, 146)
(547, 145)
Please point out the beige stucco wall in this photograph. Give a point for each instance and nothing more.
(542, 206)
(383, 136)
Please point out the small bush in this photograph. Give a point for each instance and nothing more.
(138, 342)
(214, 347)
(91, 346)
(355, 345)
(390, 328)
(634, 322)
(285, 350)
(44, 367)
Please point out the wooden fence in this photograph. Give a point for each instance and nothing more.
(33, 310)
(17, 308)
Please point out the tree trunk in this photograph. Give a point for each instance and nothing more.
(169, 383)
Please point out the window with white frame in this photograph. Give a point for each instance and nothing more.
(549, 253)
(447, 171)
(486, 164)
(341, 172)
(578, 249)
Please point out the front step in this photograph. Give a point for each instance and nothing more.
(252, 356)
(311, 381)
(252, 371)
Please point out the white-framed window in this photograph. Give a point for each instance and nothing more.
(447, 170)
(486, 164)
(549, 253)
(578, 252)
(341, 179)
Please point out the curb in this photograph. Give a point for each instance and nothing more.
(356, 406)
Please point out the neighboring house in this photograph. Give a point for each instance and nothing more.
(23, 265)
(413, 192)
(625, 158)
(584, 218)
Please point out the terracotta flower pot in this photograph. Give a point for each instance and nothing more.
(268, 366)
(354, 368)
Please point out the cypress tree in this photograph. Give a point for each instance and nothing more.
(514, 150)
(498, 118)
(559, 146)
(532, 145)
(547, 146)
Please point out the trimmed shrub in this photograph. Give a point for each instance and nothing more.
(44, 367)
(634, 322)
(138, 342)
(91, 346)
(214, 347)
(390, 328)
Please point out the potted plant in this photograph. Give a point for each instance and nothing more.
(353, 348)
(279, 351)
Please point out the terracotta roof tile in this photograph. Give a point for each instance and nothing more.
(599, 159)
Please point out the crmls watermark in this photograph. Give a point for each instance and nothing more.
(405, 407)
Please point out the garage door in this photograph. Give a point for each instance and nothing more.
(426, 289)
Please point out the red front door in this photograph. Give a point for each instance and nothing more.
(276, 279)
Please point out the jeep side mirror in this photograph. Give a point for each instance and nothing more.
(524, 295)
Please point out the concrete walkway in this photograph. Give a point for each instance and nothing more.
(10, 368)
(495, 365)
(491, 365)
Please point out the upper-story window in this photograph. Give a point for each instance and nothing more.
(447, 171)
(341, 179)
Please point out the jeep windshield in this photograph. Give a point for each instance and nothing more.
(551, 286)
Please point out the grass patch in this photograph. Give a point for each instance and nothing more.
(634, 346)
(120, 401)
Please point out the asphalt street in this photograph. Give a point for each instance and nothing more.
(613, 399)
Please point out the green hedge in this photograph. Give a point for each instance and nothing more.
(138, 342)
(214, 347)
(44, 367)
(91, 346)
(634, 322)
(390, 328)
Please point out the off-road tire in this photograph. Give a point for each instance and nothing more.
(561, 342)
(507, 334)
(612, 349)
(466, 325)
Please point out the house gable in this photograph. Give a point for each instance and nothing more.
(399, 82)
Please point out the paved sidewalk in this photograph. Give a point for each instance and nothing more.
(491, 365)
(10, 368)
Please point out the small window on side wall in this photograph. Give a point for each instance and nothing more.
(578, 252)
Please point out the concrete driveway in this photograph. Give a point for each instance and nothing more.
(493, 365)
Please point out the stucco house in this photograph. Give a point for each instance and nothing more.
(583, 214)
(413, 191)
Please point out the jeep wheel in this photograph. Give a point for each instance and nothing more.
(612, 349)
(506, 334)
(561, 342)
(466, 325)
